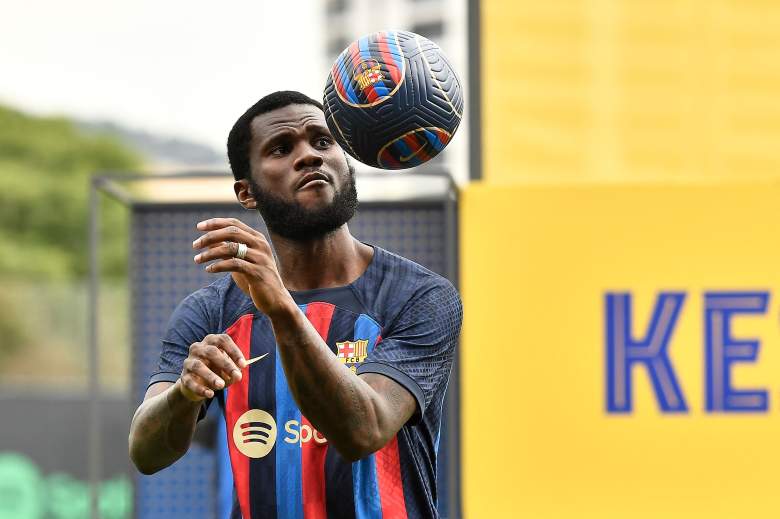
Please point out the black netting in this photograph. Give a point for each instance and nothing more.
(163, 273)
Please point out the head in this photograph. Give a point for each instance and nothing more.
(288, 166)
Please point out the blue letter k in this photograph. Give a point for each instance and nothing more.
(651, 351)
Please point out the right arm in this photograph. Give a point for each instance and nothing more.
(164, 423)
(162, 427)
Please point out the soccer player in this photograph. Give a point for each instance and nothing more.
(340, 415)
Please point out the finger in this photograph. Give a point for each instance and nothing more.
(199, 368)
(216, 236)
(230, 265)
(228, 251)
(218, 223)
(215, 360)
(219, 362)
(221, 250)
(232, 376)
(231, 233)
(229, 346)
(195, 386)
(214, 224)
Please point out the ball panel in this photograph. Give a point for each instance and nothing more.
(413, 148)
(392, 57)
(370, 70)
(338, 133)
(445, 81)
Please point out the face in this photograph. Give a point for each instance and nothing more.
(301, 181)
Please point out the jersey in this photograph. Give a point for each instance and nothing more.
(397, 319)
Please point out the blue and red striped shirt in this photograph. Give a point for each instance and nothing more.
(399, 320)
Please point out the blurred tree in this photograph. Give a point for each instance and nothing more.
(45, 165)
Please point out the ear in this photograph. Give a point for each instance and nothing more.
(244, 194)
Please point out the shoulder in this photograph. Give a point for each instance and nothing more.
(393, 282)
(410, 277)
(211, 295)
(220, 302)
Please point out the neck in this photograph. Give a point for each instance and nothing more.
(334, 260)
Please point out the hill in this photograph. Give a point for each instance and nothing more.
(45, 165)
(160, 152)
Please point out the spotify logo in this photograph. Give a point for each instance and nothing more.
(255, 433)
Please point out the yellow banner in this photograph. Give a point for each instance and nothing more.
(621, 351)
(622, 89)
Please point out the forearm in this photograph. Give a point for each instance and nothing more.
(337, 402)
(162, 430)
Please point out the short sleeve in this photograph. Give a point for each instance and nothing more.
(190, 322)
(418, 348)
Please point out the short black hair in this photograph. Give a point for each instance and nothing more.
(241, 134)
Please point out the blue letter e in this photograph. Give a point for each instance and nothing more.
(722, 350)
(651, 351)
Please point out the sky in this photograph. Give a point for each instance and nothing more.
(182, 68)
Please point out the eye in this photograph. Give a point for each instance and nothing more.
(278, 150)
(323, 141)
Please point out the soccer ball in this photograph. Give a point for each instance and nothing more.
(392, 100)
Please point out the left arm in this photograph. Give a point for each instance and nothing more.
(357, 414)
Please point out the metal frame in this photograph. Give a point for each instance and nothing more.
(474, 35)
(94, 436)
(454, 503)
(109, 183)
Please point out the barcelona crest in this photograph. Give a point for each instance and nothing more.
(352, 352)
(367, 73)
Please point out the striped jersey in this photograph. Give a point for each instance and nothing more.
(397, 319)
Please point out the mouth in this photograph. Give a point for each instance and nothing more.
(314, 179)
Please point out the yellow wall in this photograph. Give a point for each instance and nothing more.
(614, 89)
(628, 146)
(537, 261)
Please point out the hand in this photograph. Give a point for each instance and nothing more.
(212, 364)
(256, 273)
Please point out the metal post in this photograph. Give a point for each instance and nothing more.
(93, 438)
(453, 393)
(474, 36)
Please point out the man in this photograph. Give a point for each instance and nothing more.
(339, 417)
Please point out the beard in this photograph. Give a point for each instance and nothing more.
(291, 220)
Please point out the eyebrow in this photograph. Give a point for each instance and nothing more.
(316, 128)
(276, 136)
(287, 132)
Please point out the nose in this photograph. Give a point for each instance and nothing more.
(308, 157)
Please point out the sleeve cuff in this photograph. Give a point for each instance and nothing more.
(402, 378)
(163, 376)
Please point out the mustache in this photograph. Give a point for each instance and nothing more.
(289, 219)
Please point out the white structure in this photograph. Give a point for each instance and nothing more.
(442, 21)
